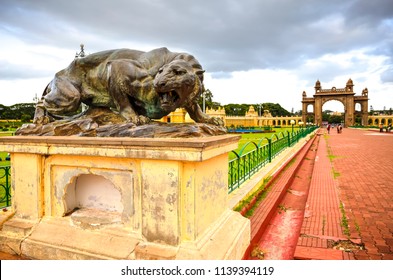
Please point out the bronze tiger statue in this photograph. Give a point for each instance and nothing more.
(138, 85)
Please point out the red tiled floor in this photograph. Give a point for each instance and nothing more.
(352, 179)
(364, 160)
(322, 224)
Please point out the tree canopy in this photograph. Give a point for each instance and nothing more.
(17, 111)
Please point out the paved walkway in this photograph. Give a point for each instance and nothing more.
(346, 209)
(322, 227)
(350, 204)
(363, 161)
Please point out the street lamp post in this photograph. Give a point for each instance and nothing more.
(292, 123)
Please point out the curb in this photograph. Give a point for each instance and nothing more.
(271, 210)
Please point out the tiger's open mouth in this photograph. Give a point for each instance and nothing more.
(168, 99)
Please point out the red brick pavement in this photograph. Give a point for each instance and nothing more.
(321, 227)
(351, 180)
(363, 161)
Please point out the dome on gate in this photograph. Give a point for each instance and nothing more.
(317, 86)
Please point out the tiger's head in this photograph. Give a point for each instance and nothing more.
(177, 84)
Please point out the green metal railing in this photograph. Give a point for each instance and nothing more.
(5, 186)
(243, 166)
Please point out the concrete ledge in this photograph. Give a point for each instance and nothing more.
(189, 149)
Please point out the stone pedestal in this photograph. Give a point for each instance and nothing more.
(121, 198)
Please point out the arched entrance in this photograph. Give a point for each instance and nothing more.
(344, 95)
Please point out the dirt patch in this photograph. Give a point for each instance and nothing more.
(345, 245)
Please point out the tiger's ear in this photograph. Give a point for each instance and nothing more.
(200, 72)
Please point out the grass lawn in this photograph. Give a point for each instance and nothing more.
(7, 133)
(4, 162)
(256, 137)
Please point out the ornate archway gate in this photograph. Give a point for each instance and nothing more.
(345, 95)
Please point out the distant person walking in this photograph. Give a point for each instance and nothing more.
(380, 128)
(328, 128)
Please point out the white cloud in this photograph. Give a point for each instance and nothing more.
(286, 86)
(258, 86)
(252, 51)
(21, 91)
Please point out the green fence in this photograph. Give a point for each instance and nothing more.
(5, 186)
(243, 166)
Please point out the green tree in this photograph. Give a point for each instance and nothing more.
(209, 103)
(275, 109)
(25, 118)
(326, 115)
(236, 109)
(335, 119)
(16, 111)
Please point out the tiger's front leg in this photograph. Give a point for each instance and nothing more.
(121, 90)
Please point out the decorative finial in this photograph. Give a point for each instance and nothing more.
(81, 53)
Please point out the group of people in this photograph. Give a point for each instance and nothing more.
(388, 128)
(339, 128)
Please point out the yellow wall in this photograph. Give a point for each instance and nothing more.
(165, 198)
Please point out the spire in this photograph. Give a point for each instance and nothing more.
(317, 86)
(349, 86)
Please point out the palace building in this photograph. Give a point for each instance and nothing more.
(250, 119)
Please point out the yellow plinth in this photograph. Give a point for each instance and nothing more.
(121, 198)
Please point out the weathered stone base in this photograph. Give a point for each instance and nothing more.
(227, 239)
(57, 238)
(121, 198)
(13, 232)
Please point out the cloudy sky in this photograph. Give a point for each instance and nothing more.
(253, 51)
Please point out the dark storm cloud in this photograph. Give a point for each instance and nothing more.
(224, 35)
